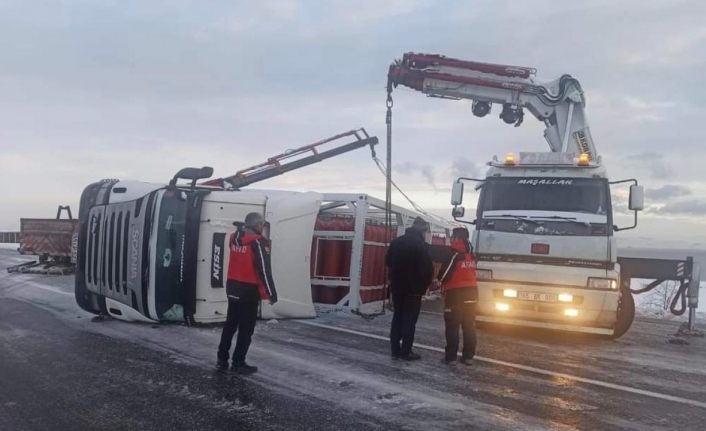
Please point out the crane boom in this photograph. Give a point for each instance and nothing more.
(291, 159)
(559, 104)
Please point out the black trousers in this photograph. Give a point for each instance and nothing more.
(460, 312)
(241, 318)
(404, 321)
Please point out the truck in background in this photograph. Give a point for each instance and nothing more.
(53, 241)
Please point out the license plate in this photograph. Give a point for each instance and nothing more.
(536, 296)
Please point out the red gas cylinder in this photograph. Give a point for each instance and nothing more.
(346, 259)
(338, 249)
(378, 254)
(368, 261)
(348, 224)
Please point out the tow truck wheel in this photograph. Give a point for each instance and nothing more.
(625, 314)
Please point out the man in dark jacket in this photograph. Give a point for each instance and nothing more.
(411, 271)
(249, 281)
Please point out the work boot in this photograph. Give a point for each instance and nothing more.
(446, 361)
(411, 356)
(222, 365)
(466, 361)
(243, 368)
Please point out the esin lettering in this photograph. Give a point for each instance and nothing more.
(216, 267)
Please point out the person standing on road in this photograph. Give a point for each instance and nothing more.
(458, 285)
(411, 272)
(249, 281)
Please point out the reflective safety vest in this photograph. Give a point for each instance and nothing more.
(460, 271)
(249, 262)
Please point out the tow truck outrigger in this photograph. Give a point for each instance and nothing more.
(544, 221)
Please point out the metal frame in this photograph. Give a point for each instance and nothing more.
(359, 206)
(685, 271)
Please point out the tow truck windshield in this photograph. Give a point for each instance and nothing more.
(546, 206)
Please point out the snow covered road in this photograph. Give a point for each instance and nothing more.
(333, 372)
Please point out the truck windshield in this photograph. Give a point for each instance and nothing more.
(546, 206)
(169, 256)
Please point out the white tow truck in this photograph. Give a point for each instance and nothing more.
(544, 227)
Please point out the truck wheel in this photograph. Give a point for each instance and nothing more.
(625, 314)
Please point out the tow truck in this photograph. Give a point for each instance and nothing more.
(544, 231)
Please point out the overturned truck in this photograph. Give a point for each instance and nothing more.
(158, 252)
(151, 252)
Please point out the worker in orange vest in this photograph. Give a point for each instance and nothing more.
(457, 277)
(249, 281)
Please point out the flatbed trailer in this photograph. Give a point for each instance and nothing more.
(53, 241)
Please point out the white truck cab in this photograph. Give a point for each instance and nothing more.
(544, 240)
(156, 252)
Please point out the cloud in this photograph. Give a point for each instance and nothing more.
(425, 171)
(654, 162)
(690, 207)
(229, 84)
(462, 167)
(667, 191)
(643, 110)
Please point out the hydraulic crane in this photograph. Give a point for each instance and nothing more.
(291, 159)
(559, 104)
(525, 275)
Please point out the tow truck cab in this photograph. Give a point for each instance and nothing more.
(544, 240)
(155, 252)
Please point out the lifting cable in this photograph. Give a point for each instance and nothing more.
(386, 170)
(388, 190)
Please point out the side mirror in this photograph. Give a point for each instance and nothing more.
(193, 174)
(457, 194)
(637, 198)
(458, 212)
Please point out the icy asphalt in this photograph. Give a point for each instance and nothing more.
(60, 369)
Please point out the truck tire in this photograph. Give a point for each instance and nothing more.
(625, 314)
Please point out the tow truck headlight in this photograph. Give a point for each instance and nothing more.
(602, 283)
(502, 306)
(571, 312)
(509, 293)
(484, 274)
(566, 297)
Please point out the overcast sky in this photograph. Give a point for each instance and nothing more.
(138, 89)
